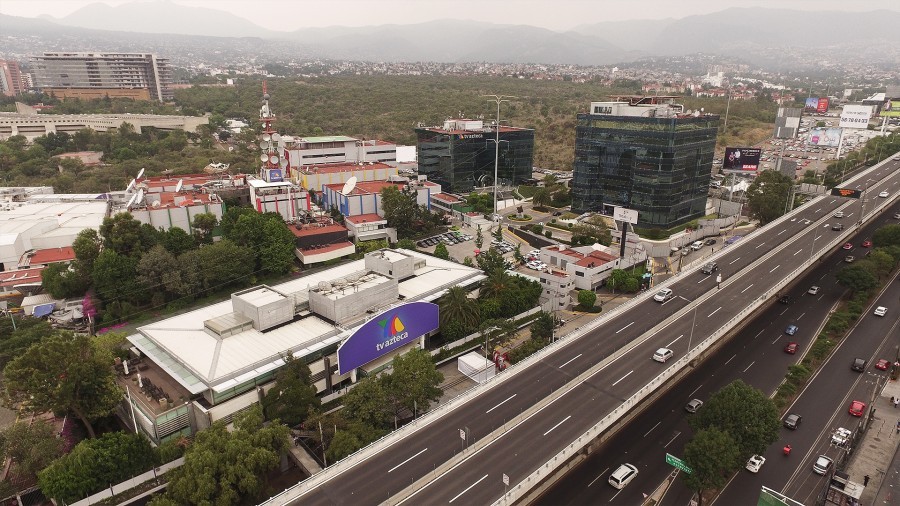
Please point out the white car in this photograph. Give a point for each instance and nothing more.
(813, 290)
(884, 194)
(755, 463)
(696, 245)
(622, 476)
(880, 311)
(840, 436)
(822, 465)
(663, 295)
(839, 214)
(663, 354)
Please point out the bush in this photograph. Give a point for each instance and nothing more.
(548, 234)
(586, 298)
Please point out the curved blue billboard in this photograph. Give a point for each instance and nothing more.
(386, 332)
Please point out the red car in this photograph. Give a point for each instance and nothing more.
(882, 364)
(847, 246)
(857, 408)
(867, 244)
(791, 348)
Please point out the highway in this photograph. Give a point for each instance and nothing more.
(780, 247)
(755, 355)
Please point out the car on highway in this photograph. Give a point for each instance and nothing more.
(897, 216)
(791, 329)
(663, 295)
(622, 476)
(822, 465)
(754, 463)
(847, 246)
(791, 348)
(880, 311)
(858, 365)
(813, 290)
(786, 299)
(884, 194)
(837, 227)
(839, 214)
(792, 421)
(849, 259)
(840, 436)
(663, 354)
(882, 364)
(709, 268)
(866, 244)
(857, 408)
(693, 405)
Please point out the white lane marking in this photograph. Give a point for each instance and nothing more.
(571, 359)
(749, 366)
(762, 244)
(759, 334)
(818, 237)
(598, 476)
(673, 342)
(785, 311)
(798, 252)
(801, 315)
(623, 377)
(673, 439)
(507, 399)
(714, 312)
(651, 428)
(733, 261)
(557, 425)
(730, 359)
(776, 340)
(783, 231)
(704, 278)
(407, 460)
(748, 287)
(469, 488)
(695, 391)
(817, 210)
(773, 268)
(626, 326)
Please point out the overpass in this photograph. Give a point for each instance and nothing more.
(525, 423)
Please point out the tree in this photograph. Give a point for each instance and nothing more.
(586, 298)
(499, 330)
(413, 383)
(491, 261)
(497, 282)
(888, 235)
(94, 464)
(456, 305)
(122, 234)
(406, 244)
(64, 372)
(276, 256)
(177, 241)
(224, 263)
(369, 403)
(28, 332)
(223, 467)
(479, 237)
(441, 252)
(497, 232)
(114, 276)
(350, 439)
(293, 397)
(32, 446)
(748, 416)
(767, 196)
(616, 279)
(62, 281)
(400, 210)
(541, 198)
(87, 248)
(856, 278)
(542, 327)
(712, 456)
(153, 266)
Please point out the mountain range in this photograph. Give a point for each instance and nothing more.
(753, 34)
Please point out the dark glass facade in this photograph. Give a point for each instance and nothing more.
(660, 167)
(462, 160)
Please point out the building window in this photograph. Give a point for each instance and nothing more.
(579, 273)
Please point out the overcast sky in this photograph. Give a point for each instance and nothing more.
(552, 14)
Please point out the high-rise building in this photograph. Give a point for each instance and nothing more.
(11, 82)
(140, 76)
(647, 154)
(460, 155)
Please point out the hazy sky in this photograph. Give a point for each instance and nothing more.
(553, 14)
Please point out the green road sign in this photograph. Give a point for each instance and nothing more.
(677, 463)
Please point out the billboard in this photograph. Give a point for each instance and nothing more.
(385, 333)
(822, 108)
(851, 193)
(855, 116)
(787, 122)
(891, 108)
(741, 159)
(625, 214)
(817, 105)
(824, 137)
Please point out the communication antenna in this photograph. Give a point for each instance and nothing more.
(140, 196)
(263, 157)
(179, 186)
(131, 185)
(349, 185)
(140, 173)
(273, 159)
(283, 163)
(276, 137)
(263, 144)
(131, 201)
(266, 137)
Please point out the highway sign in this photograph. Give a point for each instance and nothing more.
(846, 192)
(677, 463)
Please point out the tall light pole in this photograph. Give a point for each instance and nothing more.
(498, 99)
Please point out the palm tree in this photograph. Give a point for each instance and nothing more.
(456, 305)
(542, 197)
(497, 282)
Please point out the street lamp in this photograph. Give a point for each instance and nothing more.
(498, 99)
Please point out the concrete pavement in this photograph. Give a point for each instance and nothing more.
(876, 454)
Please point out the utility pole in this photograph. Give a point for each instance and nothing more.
(498, 99)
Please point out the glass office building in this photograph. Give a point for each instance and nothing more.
(645, 155)
(460, 155)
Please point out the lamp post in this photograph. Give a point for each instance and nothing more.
(498, 99)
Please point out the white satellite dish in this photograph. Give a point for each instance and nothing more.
(131, 201)
(140, 173)
(266, 137)
(349, 185)
(273, 159)
(276, 137)
(131, 185)
(263, 144)
(283, 163)
(179, 186)
(263, 157)
(140, 197)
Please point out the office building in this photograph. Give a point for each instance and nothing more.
(139, 76)
(12, 82)
(460, 155)
(303, 151)
(647, 154)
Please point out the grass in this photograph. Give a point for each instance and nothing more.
(527, 191)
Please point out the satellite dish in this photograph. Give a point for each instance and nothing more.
(131, 201)
(263, 144)
(263, 157)
(349, 185)
(266, 137)
(140, 197)
(283, 163)
(179, 186)
(140, 173)
(130, 185)
(273, 159)
(276, 137)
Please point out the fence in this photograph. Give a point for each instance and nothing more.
(129, 484)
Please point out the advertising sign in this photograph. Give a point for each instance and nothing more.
(855, 116)
(812, 103)
(385, 333)
(891, 109)
(851, 193)
(822, 107)
(787, 122)
(824, 137)
(741, 159)
(625, 214)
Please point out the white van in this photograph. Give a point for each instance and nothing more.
(622, 476)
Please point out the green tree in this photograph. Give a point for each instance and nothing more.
(497, 282)
(413, 383)
(176, 241)
(456, 305)
(368, 402)
(440, 251)
(497, 330)
(406, 244)
(350, 439)
(224, 263)
(497, 232)
(888, 235)
(586, 298)
(400, 210)
(543, 325)
(225, 467)
(153, 267)
(767, 196)
(276, 256)
(32, 446)
(64, 372)
(293, 397)
(122, 234)
(479, 237)
(616, 279)
(748, 416)
(28, 332)
(62, 281)
(94, 464)
(491, 261)
(856, 278)
(114, 276)
(712, 456)
(541, 198)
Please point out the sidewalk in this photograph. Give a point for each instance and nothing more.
(876, 453)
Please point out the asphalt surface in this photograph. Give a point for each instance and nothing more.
(527, 445)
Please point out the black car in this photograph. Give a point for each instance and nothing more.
(786, 299)
(792, 421)
(837, 226)
(710, 242)
(557, 213)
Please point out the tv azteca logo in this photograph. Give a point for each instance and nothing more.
(393, 332)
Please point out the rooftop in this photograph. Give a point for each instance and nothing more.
(365, 218)
(51, 255)
(332, 168)
(9, 279)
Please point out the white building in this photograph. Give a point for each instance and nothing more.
(314, 177)
(302, 151)
(589, 266)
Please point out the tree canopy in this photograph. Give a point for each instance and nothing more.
(293, 398)
(767, 196)
(747, 415)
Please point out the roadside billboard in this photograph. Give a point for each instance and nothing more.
(787, 122)
(891, 108)
(822, 107)
(817, 105)
(851, 193)
(385, 333)
(741, 159)
(824, 137)
(855, 116)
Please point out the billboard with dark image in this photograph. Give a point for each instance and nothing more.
(812, 103)
(741, 159)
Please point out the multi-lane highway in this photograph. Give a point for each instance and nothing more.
(621, 345)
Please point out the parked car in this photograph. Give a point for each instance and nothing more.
(857, 408)
(710, 241)
(882, 364)
(755, 463)
(696, 245)
(840, 436)
(822, 465)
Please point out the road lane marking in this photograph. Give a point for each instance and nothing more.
(773, 268)
(673, 342)
(714, 312)
(407, 460)
(598, 476)
(567, 362)
(557, 425)
(508, 399)
(625, 327)
(469, 488)
(776, 340)
(785, 311)
(704, 278)
(783, 231)
(673, 439)
(798, 252)
(695, 391)
(749, 366)
(651, 428)
(733, 261)
(623, 377)
(748, 287)
(762, 244)
(759, 334)
(730, 359)
(801, 315)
